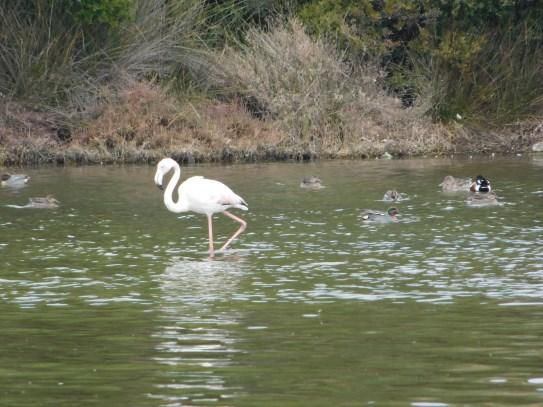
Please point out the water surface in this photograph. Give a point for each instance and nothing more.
(112, 300)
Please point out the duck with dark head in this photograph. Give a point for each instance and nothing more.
(371, 216)
(481, 193)
(480, 184)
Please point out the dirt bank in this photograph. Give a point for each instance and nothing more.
(144, 125)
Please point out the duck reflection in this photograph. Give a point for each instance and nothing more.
(196, 337)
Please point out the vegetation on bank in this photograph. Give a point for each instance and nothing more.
(134, 80)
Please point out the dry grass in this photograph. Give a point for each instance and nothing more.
(144, 124)
(141, 123)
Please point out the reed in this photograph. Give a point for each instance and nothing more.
(50, 62)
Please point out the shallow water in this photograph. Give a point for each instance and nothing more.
(112, 300)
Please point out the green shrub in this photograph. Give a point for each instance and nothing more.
(110, 13)
(497, 81)
(473, 46)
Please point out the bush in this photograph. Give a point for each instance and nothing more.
(285, 75)
(308, 87)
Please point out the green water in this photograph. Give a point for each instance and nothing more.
(111, 300)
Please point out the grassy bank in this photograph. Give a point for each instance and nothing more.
(145, 124)
(156, 89)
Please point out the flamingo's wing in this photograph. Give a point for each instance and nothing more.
(223, 195)
(207, 193)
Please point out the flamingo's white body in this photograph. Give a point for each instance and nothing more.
(200, 195)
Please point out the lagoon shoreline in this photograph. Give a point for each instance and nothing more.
(227, 133)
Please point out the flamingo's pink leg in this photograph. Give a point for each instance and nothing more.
(241, 228)
(210, 230)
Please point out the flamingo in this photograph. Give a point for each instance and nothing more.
(200, 195)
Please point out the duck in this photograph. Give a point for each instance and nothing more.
(14, 180)
(371, 216)
(394, 196)
(454, 184)
(311, 183)
(477, 199)
(47, 202)
(480, 184)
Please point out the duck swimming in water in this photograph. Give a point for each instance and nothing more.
(480, 184)
(48, 202)
(371, 216)
(394, 196)
(311, 183)
(14, 180)
(453, 184)
(477, 199)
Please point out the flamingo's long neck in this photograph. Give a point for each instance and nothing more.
(181, 204)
